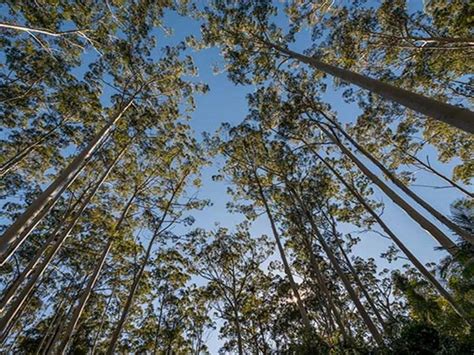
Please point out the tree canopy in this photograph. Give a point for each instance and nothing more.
(358, 116)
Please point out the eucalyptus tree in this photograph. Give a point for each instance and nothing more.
(252, 43)
(127, 63)
(230, 264)
(425, 50)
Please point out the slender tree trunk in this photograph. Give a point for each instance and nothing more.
(131, 296)
(15, 307)
(240, 346)
(18, 158)
(360, 307)
(101, 326)
(69, 332)
(137, 278)
(458, 117)
(158, 327)
(83, 300)
(357, 279)
(442, 239)
(418, 265)
(322, 282)
(443, 219)
(6, 330)
(60, 327)
(24, 224)
(294, 287)
(58, 314)
(9, 293)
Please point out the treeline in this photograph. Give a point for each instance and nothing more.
(99, 168)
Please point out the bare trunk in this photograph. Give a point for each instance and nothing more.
(322, 282)
(4, 332)
(442, 239)
(335, 264)
(294, 287)
(458, 117)
(12, 289)
(239, 333)
(58, 314)
(443, 219)
(69, 332)
(71, 327)
(419, 266)
(359, 282)
(15, 307)
(101, 326)
(138, 276)
(16, 234)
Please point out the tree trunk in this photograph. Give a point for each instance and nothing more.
(458, 117)
(71, 327)
(14, 308)
(360, 307)
(239, 333)
(418, 265)
(101, 326)
(94, 277)
(4, 332)
(26, 222)
(357, 279)
(443, 219)
(321, 281)
(294, 287)
(13, 287)
(138, 276)
(58, 314)
(442, 239)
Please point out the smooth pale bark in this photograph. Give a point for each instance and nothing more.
(18, 158)
(286, 265)
(130, 298)
(322, 282)
(60, 328)
(335, 264)
(442, 239)
(136, 281)
(357, 279)
(16, 234)
(240, 346)
(13, 287)
(440, 217)
(458, 117)
(102, 322)
(69, 332)
(57, 315)
(158, 326)
(12, 26)
(6, 331)
(41, 267)
(83, 300)
(418, 265)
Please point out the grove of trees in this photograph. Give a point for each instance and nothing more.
(101, 168)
